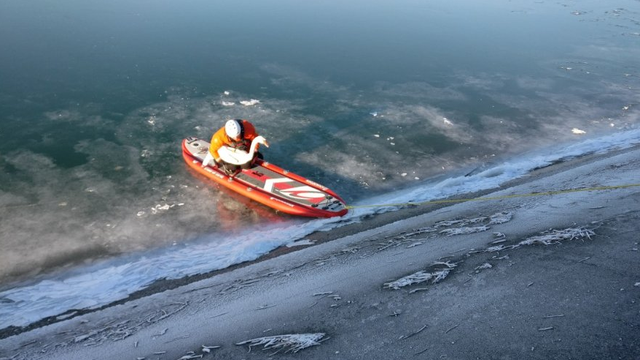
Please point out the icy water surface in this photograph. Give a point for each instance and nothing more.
(371, 99)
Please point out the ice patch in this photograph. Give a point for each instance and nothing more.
(555, 236)
(250, 102)
(441, 271)
(548, 238)
(464, 230)
(484, 266)
(500, 218)
(93, 286)
(291, 342)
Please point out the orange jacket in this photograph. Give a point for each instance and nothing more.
(220, 139)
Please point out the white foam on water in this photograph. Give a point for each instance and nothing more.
(497, 175)
(100, 284)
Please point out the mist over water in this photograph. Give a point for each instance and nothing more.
(364, 97)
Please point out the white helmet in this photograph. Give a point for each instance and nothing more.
(233, 128)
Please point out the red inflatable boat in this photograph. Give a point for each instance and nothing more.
(268, 184)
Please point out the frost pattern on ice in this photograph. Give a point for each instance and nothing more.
(191, 356)
(500, 218)
(548, 238)
(441, 271)
(555, 236)
(293, 342)
(495, 219)
(464, 230)
(463, 227)
(125, 329)
(484, 266)
(450, 228)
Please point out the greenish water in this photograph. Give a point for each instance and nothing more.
(364, 97)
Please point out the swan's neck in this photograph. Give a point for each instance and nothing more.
(254, 146)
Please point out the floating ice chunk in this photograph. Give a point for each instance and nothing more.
(447, 121)
(227, 93)
(228, 103)
(374, 114)
(294, 342)
(376, 135)
(160, 207)
(250, 102)
(403, 174)
(578, 131)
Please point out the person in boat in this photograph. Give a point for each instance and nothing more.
(236, 133)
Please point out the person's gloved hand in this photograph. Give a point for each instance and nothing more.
(228, 169)
(243, 147)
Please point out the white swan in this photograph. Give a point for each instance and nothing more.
(240, 157)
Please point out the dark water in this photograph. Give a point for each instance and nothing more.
(362, 96)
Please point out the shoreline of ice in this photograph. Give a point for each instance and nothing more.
(98, 285)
